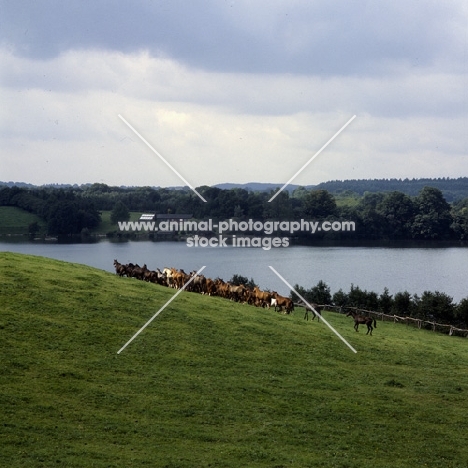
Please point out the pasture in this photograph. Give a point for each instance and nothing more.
(212, 382)
(106, 225)
(15, 221)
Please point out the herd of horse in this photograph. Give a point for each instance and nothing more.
(178, 279)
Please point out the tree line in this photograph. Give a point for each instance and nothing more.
(65, 211)
(429, 306)
(377, 216)
(452, 189)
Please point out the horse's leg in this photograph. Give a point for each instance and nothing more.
(306, 315)
(356, 326)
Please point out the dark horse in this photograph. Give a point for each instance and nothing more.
(358, 319)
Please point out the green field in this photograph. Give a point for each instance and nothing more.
(349, 200)
(106, 224)
(211, 383)
(15, 221)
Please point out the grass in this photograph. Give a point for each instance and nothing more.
(347, 200)
(106, 224)
(14, 221)
(211, 382)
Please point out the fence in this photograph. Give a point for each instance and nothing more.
(419, 323)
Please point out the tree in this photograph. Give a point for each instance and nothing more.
(238, 212)
(63, 218)
(120, 212)
(363, 299)
(302, 291)
(436, 306)
(385, 301)
(462, 312)
(433, 218)
(371, 223)
(460, 219)
(89, 218)
(398, 210)
(402, 303)
(239, 280)
(371, 201)
(319, 204)
(279, 208)
(340, 298)
(320, 293)
(33, 228)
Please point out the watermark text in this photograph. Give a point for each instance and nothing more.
(232, 225)
(226, 233)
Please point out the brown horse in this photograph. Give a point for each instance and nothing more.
(358, 319)
(279, 302)
(120, 269)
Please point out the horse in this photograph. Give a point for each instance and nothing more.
(236, 292)
(278, 302)
(136, 271)
(120, 269)
(315, 313)
(198, 283)
(358, 319)
(169, 273)
(262, 298)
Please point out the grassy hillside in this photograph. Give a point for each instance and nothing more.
(106, 224)
(212, 383)
(14, 220)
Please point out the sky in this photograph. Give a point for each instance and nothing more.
(232, 91)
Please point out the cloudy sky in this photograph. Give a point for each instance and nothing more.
(232, 91)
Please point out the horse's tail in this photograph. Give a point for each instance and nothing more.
(375, 323)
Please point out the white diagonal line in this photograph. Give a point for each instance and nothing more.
(326, 323)
(161, 309)
(160, 156)
(312, 158)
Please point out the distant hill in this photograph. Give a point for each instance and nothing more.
(259, 186)
(251, 186)
(453, 189)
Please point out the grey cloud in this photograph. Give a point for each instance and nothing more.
(320, 38)
(139, 76)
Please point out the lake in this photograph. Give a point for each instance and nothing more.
(415, 269)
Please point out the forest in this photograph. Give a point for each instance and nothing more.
(452, 189)
(385, 215)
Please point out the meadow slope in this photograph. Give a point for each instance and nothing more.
(211, 382)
